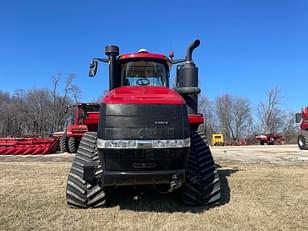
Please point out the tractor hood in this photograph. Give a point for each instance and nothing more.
(143, 95)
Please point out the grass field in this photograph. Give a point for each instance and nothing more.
(255, 197)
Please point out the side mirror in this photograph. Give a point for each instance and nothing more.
(93, 69)
(298, 117)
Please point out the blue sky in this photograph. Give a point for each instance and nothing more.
(247, 47)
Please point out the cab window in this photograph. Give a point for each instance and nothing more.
(144, 73)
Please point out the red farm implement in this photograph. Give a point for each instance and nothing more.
(302, 119)
(270, 139)
(81, 118)
(28, 146)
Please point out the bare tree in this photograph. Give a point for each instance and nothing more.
(225, 115)
(290, 130)
(207, 108)
(38, 112)
(269, 113)
(75, 92)
(234, 115)
(5, 100)
(72, 89)
(243, 121)
(39, 103)
(13, 117)
(61, 101)
(55, 83)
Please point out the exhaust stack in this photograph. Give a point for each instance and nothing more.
(190, 50)
(112, 52)
(187, 80)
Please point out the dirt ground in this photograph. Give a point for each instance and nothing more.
(274, 154)
(264, 188)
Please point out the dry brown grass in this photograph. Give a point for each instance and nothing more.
(256, 197)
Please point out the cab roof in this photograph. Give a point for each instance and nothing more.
(83, 104)
(143, 54)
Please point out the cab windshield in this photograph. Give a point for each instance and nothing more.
(91, 108)
(144, 73)
(70, 117)
(81, 113)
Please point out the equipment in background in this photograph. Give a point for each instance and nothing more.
(218, 139)
(269, 139)
(28, 146)
(302, 119)
(81, 118)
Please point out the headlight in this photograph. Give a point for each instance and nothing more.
(116, 144)
(143, 144)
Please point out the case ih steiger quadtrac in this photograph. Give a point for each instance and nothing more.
(81, 118)
(302, 118)
(147, 133)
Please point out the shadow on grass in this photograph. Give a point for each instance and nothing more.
(151, 200)
(224, 185)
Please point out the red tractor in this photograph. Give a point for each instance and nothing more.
(302, 119)
(81, 118)
(147, 133)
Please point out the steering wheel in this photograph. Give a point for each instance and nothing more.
(143, 82)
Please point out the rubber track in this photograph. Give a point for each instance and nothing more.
(79, 193)
(73, 144)
(202, 186)
(63, 143)
(305, 147)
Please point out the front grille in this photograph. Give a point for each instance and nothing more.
(161, 159)
(143, 154)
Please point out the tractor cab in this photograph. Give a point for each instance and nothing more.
(79, 113)
(144, 69)
(153, 70)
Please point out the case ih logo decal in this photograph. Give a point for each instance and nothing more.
(161, 122)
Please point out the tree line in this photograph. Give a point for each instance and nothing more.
(234, 117)
(37, 112)
(40, 112)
